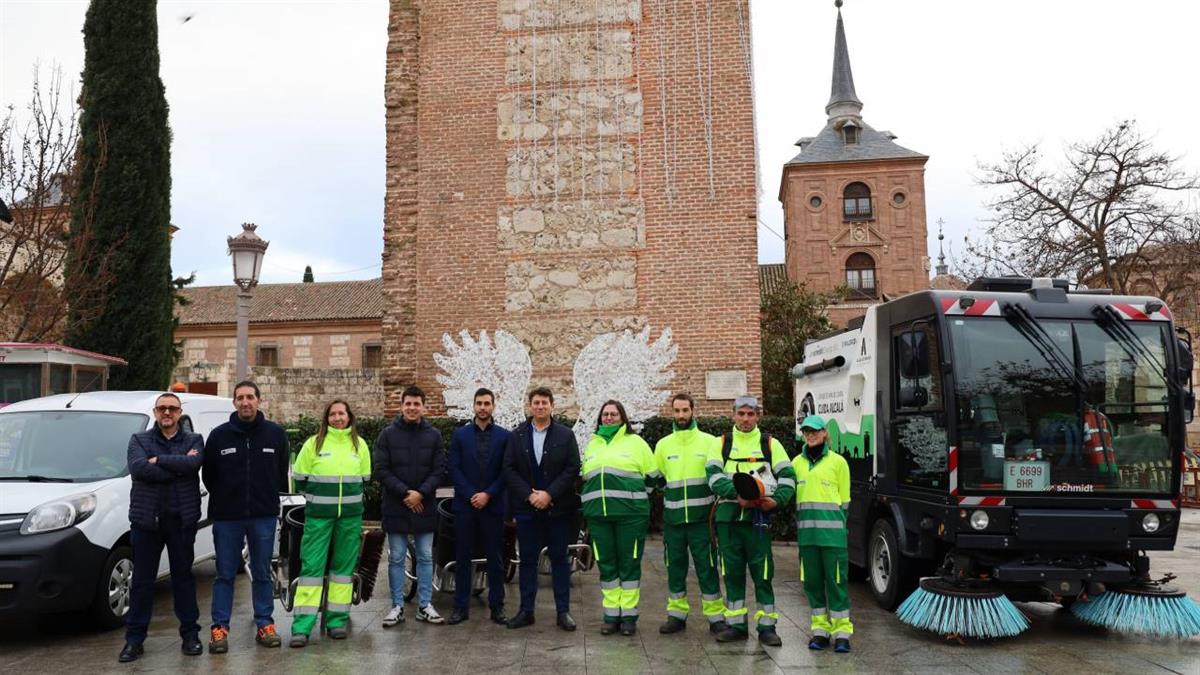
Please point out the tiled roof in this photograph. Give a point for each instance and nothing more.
(324, 301)
(771, 277)
(829, 146)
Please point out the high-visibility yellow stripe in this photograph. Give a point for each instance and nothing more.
(802, 569)
(766, 562)
(635, 549)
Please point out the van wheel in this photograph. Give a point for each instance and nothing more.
(111, 603)
(890, 575)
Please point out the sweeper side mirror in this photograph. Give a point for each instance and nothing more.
(1183, 374)
(912, 353)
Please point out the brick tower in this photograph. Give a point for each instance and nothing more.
(854, 204)
(564, 168)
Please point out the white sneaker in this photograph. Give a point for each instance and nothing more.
(394, 616)
(429, 615)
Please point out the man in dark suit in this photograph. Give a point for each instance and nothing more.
(541, 467)
(476, 464)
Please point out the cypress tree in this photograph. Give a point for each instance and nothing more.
(123, 196)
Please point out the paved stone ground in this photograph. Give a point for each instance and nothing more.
(1056, 643)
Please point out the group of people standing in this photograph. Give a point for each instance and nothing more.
(728, 484)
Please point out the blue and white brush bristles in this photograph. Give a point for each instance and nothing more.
(1170, 615)
(975, 615)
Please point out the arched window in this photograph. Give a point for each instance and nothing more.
(860, 275)
(856, 202)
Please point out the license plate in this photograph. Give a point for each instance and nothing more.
(1027, 476)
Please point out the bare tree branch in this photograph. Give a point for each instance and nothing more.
(1115, 214)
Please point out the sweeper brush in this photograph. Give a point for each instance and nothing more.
(966, 609)
(1152, 610)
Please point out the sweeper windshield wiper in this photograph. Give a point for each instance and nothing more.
(1132, 344)
(1034, 333)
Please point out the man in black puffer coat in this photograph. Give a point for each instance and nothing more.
(164, 510)
(409, 463)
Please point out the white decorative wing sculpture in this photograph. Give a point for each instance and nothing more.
(501, 364)
(626, 367)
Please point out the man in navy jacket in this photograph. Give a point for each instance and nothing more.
(164, 510)
(541, 467)
(245, 469)
(476, 466)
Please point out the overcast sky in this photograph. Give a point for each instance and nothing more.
(277, 107)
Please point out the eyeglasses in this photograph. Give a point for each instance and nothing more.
(168, 409)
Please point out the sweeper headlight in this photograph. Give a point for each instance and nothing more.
(979, 519)
(1150, 523)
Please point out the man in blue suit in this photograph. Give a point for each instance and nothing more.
(541, 466)
(477, 469)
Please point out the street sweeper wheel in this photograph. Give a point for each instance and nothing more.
(890, 575)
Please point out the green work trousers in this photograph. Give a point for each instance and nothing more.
(744, 546)
(345, 535)
(678, 540)
(824, 571)
(618, 544)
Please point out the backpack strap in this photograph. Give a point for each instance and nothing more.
(726, 449)
(765, 440)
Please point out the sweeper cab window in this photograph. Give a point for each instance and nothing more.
(1061, 406)
(918, 421)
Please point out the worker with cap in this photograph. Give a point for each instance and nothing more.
(822, 503)
(751, 476)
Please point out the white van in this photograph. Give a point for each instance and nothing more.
(64, 499)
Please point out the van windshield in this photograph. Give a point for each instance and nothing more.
(78, 446)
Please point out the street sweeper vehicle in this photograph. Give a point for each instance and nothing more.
(1017, 440)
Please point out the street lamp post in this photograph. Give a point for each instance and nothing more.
(247, 250)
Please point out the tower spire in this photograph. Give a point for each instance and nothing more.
(843, 101)
(941, 266)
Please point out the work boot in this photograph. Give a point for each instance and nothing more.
(298, 640)
(458, 616)
(498, 616)
(267, 637)
(769, 637)
(841, 645)
(717, 626)
(673, 625)
(609, 627)
(218, 640)
(628, 628)
(731, 634)
(338, 632)
(818, 643)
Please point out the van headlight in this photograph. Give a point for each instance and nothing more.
(979, 520)
(1150, 523)
(59, 514)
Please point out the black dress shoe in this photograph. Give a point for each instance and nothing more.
(565, 621)
(498, 616)
(458, 616)
(191, 645)
(673, 625)
(521, 619)
(628, 628)
(608, 628)
(131, 652)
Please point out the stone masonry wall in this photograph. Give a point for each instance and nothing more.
(579, 167)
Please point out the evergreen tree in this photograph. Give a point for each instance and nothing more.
(790, 316)
(125, 174)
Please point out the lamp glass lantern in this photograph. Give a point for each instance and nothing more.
(247, 250)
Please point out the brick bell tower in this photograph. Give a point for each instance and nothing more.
(854, 204)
